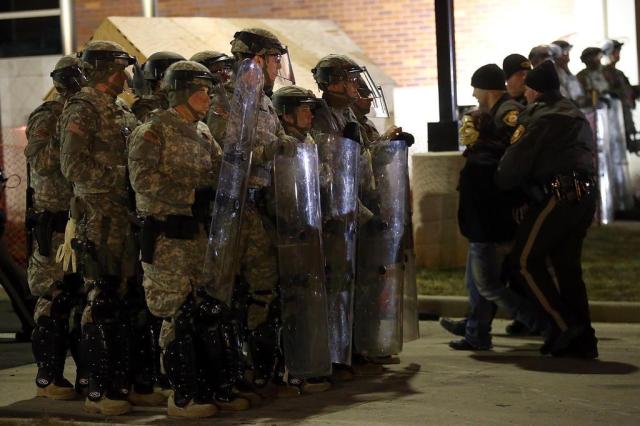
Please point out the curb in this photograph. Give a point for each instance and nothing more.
(456, 306)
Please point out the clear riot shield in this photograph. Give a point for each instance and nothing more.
(339, 199)
(410, 324)
(221, 256)
(599, 125)
(623, 198)
(380, 274)
(303, 296)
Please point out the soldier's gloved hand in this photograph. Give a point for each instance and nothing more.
(285, 145)
(376, 224)
(352, 131)
(406, 137)
(210, 307)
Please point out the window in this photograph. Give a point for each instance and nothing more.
(30, 28)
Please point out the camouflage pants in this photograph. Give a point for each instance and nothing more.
(174, 273)
(104, 223)
(42, 274)
(258, 264)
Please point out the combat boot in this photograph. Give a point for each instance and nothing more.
(290, 389)
(316, 385)
(49, 344)
(246, 391)
(107, 406)
(155, 398)
(60, 389)
(191, 410)
(226, 400)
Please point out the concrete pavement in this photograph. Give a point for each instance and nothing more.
(512, 384)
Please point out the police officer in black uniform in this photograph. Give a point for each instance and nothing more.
(516, 67)
(550, 158)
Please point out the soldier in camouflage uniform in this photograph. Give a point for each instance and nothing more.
(50, 194)
(147, 84)
(173, 162)
(93, 159)
(295, 106)
(592, 77)
(220, 65)
(257, 261)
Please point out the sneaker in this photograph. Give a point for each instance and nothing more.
(191, 410)
(60, 389)
(107, 407)
(454, 327)
(464, 345)
(153, 399)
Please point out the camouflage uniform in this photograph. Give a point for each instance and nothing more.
(166, 167)
(143, 106)
(93, 158)
(51, 194)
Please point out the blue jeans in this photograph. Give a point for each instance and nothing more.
(486, 287)
(484, 266)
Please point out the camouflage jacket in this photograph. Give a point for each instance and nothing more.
(93, 144)
(169, 158)
(619, 85)
(593, 81)
(52, 191)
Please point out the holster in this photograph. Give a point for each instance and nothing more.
(43, 225)
(148, 234)
(202, 206)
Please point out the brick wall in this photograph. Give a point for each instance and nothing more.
(398, 35)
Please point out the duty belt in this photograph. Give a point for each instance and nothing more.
(574, 186)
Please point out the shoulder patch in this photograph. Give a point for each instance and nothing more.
(511, 118)
(517, 134)
(150, 136)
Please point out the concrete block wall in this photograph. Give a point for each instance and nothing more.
(438, 242)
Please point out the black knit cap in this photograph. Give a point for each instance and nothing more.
(514, 63)
(543, 78)
(488, 77)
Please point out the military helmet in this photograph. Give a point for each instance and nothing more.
(99, 53)
(183, 78)
(210, 57)
(256, 41)
(590, 53)
(156, 64)
(287, 98)
(67, 75)
(333, 68)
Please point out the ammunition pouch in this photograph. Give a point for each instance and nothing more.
(43, 225)
(177, 227)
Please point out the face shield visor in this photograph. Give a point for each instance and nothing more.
(368, 89)
(285, 76)
(71, 78)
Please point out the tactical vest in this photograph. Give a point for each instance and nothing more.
(108, 144)
(185, 158)
(51, 192)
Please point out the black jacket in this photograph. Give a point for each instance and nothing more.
(484, 212)
(553, 138)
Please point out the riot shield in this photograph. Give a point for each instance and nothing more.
(221, 258)
(380, 273)
(410, 324)
(303, 296)
(598, 121)
(623, 199)
(339, 199)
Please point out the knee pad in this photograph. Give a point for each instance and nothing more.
(61, 305)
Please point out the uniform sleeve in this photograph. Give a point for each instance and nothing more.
(77, 132)
(217, 118)
(43, 148)
(147, 178)
(517, 162)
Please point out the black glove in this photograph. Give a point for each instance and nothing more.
(406, 137)
(352, 131)
(210, 307)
